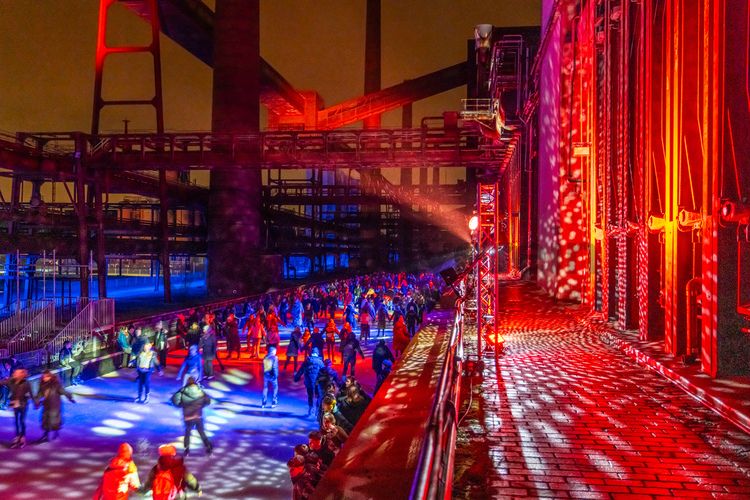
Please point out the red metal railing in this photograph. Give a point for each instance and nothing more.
(434, 474)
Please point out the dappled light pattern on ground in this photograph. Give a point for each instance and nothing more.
(251, 445)
(562, 414)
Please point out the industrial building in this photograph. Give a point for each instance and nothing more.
(584, 184)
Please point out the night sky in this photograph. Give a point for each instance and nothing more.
(47, 53)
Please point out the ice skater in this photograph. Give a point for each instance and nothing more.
(270, 377)
(145, 364)
(120, 477)
(20, 393)
(192, 399)
(50, 395)
(192, 366)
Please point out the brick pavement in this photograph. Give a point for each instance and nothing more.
(562, 414)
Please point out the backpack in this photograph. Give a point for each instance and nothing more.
(267, 365)
(164, 487)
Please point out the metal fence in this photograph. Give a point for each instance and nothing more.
(434, 476)
(22, 314)
(38, 328)
(94, 320)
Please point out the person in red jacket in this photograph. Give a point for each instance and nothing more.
(120, 476)
(400, 336)
(169, 478)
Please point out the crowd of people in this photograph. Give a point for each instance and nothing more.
(327, 322)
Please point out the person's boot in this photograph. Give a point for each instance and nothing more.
(186, 452)
(274, 403)
(14, 443)
(209, 449)
(44, 438)
(263, 403)
(145, 400)
(22, 442)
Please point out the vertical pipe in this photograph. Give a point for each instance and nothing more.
(372, 55)
(370, 255)
(80, 200)
(234, 212)
(101, 256)
(164, 235)
(54, 274)
(18, 280)
(405, 227)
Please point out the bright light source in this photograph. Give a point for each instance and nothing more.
(473, 223)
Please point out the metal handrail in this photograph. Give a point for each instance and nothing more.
(434, 475)
(31, 335)
(23, 313)
(97, 315)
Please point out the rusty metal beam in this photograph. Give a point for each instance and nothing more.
(399, 95)
(190, 23)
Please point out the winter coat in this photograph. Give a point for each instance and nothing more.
(120, 478)
(193, 364)
(20, 392)
(66, 356)
(398, 313)
(123, 341)
(310, 370)
(256, 330)
(138, 344)
(182, 479)
(350, 347)
(161, 340)
(272, 336)
(353, 410)
(303, 486)
(295, 343)
(270, 367)
(209, 344)
(297, 313)
(380, 354)
(191, 399)
(326, 376)
(147, 361)
(316, 341)
(400, 336)
(50, 393)
(233, 334)
(351, 316)
(382, 315)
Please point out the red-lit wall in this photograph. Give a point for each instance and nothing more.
(643, 138)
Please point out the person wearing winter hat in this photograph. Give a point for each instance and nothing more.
(270, 377)
(169, 478)
(192, 399)
(120, 477)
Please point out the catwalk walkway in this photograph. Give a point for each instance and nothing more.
(251, 445)
(563, 414)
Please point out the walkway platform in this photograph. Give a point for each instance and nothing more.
(728, 396)
(379, 460)
(564, 413)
